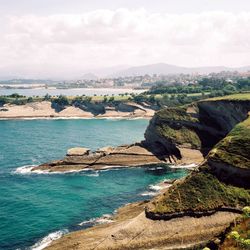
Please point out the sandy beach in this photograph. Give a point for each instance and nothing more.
(40, 110)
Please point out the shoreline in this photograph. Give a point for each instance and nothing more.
(113, 231)
(28, 169)
(45, 110)
(106, 219)
(74, 118)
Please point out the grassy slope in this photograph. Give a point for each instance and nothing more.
(235, 148)
(177, 132)
(234, 97)
(202, 191)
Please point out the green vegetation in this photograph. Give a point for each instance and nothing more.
(212, 85)
(180, 136)
(239, 235)
(178, 94)
(234, 149)
(175, 114)
(175, 124)
(234, 97)
(62, 100)
(203, 190)
(200, 192)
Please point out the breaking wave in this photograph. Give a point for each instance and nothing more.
(47, 240)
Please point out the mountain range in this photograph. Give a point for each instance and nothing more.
(166, 69)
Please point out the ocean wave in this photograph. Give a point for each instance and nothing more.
(192, 165)
(27, 169)
(148, 193)
(24, 169)
(94, 174)
(155, 187)
(115, 168)
(155, 168)
(106, 218)
(47, 240)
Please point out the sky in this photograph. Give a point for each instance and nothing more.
(68, 38)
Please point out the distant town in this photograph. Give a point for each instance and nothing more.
(130, 82)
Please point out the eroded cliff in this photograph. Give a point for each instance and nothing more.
(198, 208)
(222, 182)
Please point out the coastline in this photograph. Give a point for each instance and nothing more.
(125, 212)
(129, 228)
(29, 169)
(44, 110)
(74, 118)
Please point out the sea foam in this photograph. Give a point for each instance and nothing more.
(47, 240)
(188, 166)
(24, 169)
(106, 218)
(27, 169)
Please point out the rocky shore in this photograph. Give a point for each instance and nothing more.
(131, 229)
(194, 211)
(133, 155)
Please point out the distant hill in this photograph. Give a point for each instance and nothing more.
(89, 76)
(166, 69)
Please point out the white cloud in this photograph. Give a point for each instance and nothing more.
(70, 45)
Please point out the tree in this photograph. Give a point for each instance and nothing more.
(47, 97)
(30, 99)
(111, 99)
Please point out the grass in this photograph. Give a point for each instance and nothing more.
(235, 97)
(70, 98)
(160, 96)
(200, 192)
(170, 125)
(180, 136)
(235, 148)
(175, 114)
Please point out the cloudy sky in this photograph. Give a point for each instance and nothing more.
(67, 38)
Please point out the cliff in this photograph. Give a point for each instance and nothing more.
(194, 210)
(198, 126)
(221, 183)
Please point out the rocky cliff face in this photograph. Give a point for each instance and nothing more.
(222, 181)
(199, 126)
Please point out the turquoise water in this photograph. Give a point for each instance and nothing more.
(33, 205)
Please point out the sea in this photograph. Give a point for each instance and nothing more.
(69, 92)
(38, 208)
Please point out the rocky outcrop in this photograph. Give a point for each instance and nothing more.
(223, 114)
(199, 126)
(78, 152)
(108, 157)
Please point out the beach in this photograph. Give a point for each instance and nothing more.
(44, 110)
